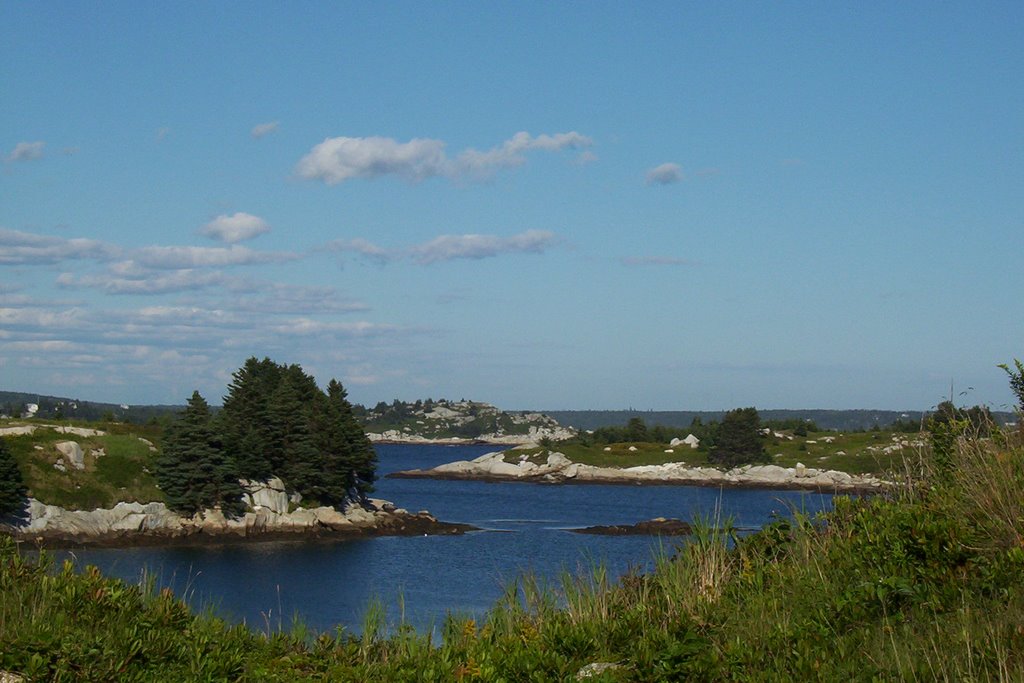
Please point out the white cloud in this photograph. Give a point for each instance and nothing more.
(18, 247)
(664, 174)
(237, 227)
(263, 129)
(27, 151)
(199, 257)
(448, 247)
(656, 261)
(336, 160)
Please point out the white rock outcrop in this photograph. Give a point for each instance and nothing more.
(559, 468)
(129, 520)
(269, 495)
(72, 452)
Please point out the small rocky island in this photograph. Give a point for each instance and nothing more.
(558, 469)
(270, 515)
(659, 526)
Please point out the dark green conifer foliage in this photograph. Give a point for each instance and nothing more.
(12, 487)
(738, 441)
(246, 422)
(276, 421)
(360, 458)
(193, 470)
(298, 462)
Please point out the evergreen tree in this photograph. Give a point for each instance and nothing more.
(737, 441)
(245, 423)
(12, 487)
(636, 430)
(193, 470)
(361, 456)
(299, 462)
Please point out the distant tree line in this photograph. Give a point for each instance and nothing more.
(275, 421)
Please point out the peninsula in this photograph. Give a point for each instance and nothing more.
(558, 469)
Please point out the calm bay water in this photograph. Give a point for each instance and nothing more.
(331, 583)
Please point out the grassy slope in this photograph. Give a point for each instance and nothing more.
(122, 474)
(926, 585)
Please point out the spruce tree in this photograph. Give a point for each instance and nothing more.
(245, 423)
(361, 455)
(299, 461)
(193, 470)
(738, 441)
(12, 487)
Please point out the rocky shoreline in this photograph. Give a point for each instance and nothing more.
(272, 515)
(558, 469)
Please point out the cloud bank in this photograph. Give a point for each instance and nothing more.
(24, 248)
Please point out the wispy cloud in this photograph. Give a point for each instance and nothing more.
(261, 130)
(656, 261)
(310, 327)
(144, 283)
(449, 247)
(199, 257)
(336, 160)
(284, 299)
(237, 227)
(26, 248)
(664, 174)
(362, 247)
(26, 151)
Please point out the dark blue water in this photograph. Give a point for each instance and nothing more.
(331, 583)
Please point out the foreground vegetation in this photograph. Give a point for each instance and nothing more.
(923, 585)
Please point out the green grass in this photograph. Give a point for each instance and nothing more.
(121, 474)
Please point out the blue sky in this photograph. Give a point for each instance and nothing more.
(539, 205)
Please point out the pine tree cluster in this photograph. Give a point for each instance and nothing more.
(276, 421)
